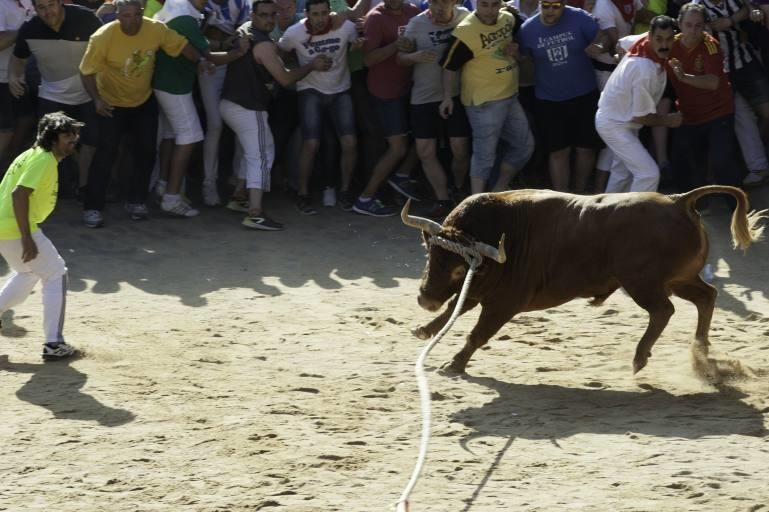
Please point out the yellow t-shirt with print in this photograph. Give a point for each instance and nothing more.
(491, 74)
(36, 169)
(124, 64)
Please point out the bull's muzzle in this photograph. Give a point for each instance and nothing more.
(428, 304)
(433, 228)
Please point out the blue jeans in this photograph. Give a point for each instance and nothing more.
(495, 120)
(313, 104)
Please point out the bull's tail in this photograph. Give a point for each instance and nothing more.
(745, 228)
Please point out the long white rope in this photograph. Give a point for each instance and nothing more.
(474, 259)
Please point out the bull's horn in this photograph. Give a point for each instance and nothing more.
(497, 254)
(430, 226)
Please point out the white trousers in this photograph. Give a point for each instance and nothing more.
(255, 139)
(748, 136)
(605, 156)
(47, 267)
(211, 93)
(632, 168)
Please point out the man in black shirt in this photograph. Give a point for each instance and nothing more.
(57, 37)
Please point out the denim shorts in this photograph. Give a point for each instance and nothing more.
(495, 121)
(312, 105)
(392, 115)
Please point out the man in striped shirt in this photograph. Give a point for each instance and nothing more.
(746, 74)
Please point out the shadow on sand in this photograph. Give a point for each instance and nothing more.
(191, 258)
(547, 411)
(56, 386)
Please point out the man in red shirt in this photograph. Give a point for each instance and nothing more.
(696, 70)
(389, 85)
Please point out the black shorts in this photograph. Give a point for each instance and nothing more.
(392, 115)
(427, 123)
(569, 123)
(11, 109)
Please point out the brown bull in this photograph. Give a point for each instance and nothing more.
(554, 247)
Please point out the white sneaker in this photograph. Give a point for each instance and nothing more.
(61, 350)
(211, 195)
(754, 178)
(179, 209)
(93, 219)
(329, 197)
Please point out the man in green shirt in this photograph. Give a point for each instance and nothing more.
(27, 197)
(173, 82)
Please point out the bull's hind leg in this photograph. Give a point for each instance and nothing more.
(655, 301)
(424, 332)
(702, 295)
(491, 320)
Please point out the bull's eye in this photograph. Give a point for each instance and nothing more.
(458, 273)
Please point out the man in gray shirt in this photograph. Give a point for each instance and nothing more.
(430, 31)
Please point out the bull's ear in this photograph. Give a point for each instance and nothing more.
(426, 238)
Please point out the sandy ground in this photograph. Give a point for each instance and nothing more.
(229, 370)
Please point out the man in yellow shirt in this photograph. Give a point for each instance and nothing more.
(480, 56)
(27, 198)
(117, 72)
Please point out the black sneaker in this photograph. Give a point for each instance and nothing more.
(346, 200)
(262, 222)
(57, 351)
(440, 210)
(305, 206)
(404, 186)
(238, 205)
(457, 194)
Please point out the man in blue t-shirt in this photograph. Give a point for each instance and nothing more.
(560, 40)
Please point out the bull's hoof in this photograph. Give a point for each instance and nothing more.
(452, 368)
(420, 332)
(638, 365)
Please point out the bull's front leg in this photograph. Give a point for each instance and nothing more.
(492, 318)
(424, 332)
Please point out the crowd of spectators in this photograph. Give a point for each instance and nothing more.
(432, 100)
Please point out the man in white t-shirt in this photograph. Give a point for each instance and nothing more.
(629, 101)
(615, 24)
(324, 93)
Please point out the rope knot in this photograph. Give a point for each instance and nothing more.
(470, 254)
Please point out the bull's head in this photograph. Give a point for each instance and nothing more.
(449, 254)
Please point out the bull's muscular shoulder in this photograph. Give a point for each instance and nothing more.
(546, 208)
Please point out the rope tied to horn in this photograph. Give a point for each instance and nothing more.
(474, 259)
(473, 255)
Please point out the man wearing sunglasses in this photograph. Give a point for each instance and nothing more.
(557, 40)
(629, 101)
